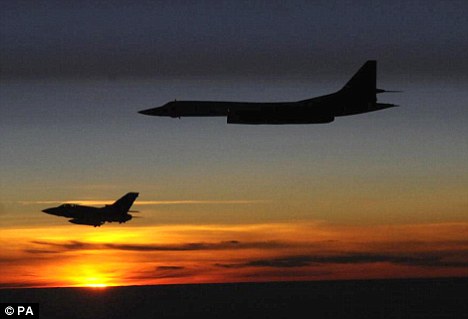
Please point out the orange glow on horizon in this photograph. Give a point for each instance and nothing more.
(95, 285)
(180, 254)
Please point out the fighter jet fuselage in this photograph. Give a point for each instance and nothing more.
(357, 96)
(96, 216)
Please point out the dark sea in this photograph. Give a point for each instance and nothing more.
(405, 298)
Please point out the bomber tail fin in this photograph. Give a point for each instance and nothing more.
(363, 83)
(124, 203)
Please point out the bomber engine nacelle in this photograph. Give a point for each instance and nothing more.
(284, 116)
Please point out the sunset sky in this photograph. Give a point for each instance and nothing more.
(378, 195)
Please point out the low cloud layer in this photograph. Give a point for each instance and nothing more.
(149, 202)
(231, 253)
(77, 245)
(439, 259)
(442, 258)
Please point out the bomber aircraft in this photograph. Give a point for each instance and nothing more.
(96, 216)
(358, 96)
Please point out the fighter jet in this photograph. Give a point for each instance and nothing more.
(356, 97)
(96, 216)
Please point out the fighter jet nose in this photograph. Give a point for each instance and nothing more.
(51, 211)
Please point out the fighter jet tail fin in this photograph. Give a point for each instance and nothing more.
(363, 83)
(124, 203)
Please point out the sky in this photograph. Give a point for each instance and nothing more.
(377, 195)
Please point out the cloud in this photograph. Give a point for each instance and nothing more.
(33, 256)
(231, 244)
(169, 268)
(283, 262)
(163, 272)
(426, 258)
(24, 284)
(440, 259)
(148, 202)
(70, 245)
(40, 251)
(285, 273)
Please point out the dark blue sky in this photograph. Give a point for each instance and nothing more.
(74, 75)
(185, 38)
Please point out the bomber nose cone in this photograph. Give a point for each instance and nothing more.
(145, 112)
(153, 111)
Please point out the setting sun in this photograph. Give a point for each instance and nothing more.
(93, 282)
(95, 285)
(92, 277)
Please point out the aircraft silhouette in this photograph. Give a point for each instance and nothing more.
(357, 96)
(96, 216)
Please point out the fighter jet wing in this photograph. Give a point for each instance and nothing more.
(91, 222)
